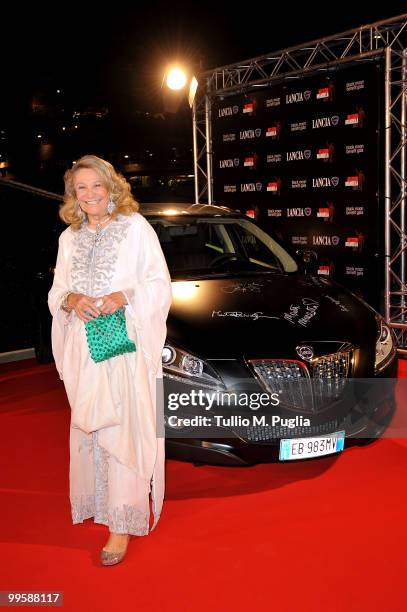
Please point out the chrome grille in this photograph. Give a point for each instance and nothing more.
(332, 366)
(305, 388)
(264, 434)
(329, 375)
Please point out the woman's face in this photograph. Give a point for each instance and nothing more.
(91, 193)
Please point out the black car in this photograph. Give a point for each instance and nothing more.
(247, 320)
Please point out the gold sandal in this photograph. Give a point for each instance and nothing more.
(112, 558)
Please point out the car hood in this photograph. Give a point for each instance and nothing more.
(265, 316)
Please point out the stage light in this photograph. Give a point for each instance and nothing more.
(176, 79)
(192, 90)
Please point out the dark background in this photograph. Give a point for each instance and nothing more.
(111, 59)
(97, 71)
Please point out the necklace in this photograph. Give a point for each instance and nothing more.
(99, 225)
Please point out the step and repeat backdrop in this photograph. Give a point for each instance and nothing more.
(305, 159)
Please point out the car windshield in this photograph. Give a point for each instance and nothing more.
(218, 246)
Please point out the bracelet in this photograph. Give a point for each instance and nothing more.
(64, 302)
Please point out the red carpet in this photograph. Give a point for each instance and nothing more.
(324, 535)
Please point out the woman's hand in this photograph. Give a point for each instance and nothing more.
(112, 302)
(84, 306)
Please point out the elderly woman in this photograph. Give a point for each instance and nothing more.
(110, 261)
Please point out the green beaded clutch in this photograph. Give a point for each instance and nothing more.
(107, 336)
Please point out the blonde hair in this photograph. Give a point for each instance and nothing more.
(117, 185)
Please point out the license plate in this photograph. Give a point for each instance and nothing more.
(304, 448)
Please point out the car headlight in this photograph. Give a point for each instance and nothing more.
(385, 345)
(188, 368)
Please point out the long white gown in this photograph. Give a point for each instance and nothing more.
(117, 440)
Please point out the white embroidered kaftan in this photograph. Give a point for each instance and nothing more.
(116, 458)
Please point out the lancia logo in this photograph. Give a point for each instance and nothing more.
(305, 352)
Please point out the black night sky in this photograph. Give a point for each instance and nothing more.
(114, 56)
(117, 52)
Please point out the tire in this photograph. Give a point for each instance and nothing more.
(42, 347)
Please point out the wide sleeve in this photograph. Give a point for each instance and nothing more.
(149, 295)
(60, 318)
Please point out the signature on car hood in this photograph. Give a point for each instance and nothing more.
(264, 314)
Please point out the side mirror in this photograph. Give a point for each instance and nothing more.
(309, 259)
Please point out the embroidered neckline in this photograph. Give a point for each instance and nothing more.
(94, 256)
(93, 231)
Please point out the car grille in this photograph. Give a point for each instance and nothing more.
(265, 434)
(305, 388)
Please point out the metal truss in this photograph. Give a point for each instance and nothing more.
(388, 38)
(395, 290)
(363, 42)
(202, 148)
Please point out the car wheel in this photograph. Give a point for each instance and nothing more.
(42, 347)
(366, 441)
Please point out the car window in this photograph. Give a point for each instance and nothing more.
(289, 264)
(215, 245)
(255, 250)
